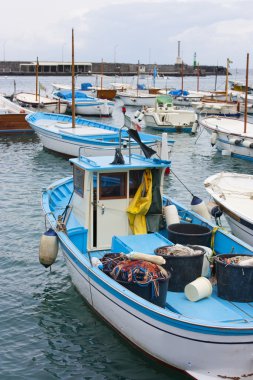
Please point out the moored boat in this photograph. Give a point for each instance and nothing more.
(165, 116)
(40, 103)
(58, 134)
(12, 117)
(231, 136)
(84, 104)
(96, 213)
(233, 194)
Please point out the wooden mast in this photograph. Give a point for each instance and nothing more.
(226, 87)
(246, 95)
(102, 73)
(138, 72)
(37, 75)
(73, 81)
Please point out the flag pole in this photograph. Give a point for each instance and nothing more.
(226, 88)
(37, 74)
(73, 81)
(246, 95)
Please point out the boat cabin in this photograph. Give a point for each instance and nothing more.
(103, 191)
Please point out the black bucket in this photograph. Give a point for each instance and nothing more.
(147, 292)
(194, 234)
(183, 269)
(234, 282)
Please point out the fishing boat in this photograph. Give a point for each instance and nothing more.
(109, 210)
(58, 134)
(12, 117)
(233, 194)
(40, 103)
(165, 116)
(36, 102)
(85, 104)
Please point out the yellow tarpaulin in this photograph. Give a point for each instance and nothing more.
(140, 205)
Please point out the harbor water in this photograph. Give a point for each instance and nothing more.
(47, 330)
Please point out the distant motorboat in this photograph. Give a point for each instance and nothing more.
(84, 104)
(230, 136)
(165, 116)
(211, 106)
(233, 192)
(40, 103)
(137, 98)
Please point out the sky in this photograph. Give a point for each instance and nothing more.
(128, 31)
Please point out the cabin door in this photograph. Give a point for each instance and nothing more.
(110, 216)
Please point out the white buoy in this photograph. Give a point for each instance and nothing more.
(200, 207)
(214, 137)
(136, 114)
(214, 209)
(194, 127)
(48, 248)
(234, 141)
(171, 215)
(247, 143)
(140, 117)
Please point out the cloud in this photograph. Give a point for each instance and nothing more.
(127, 30)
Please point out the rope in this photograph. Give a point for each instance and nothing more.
(182, 182)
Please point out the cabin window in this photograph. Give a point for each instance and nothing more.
(78, 181)
(112, 185)
(135, 179)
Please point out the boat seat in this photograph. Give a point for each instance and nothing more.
(145, 243)
(210, 309)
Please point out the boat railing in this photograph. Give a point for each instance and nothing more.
(123, 140)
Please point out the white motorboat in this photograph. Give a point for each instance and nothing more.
(138, 98)
(165, 116)
(233, 192)
(12, 117)
(231, 136)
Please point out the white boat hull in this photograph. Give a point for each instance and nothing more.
(233, 193)
(170, 120)
(229, 137)
(71, 148)
(138, 101)
(100, 109)
(204, 356)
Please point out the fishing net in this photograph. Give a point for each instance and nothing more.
(110, 260)
(178, 250)
(140, 272)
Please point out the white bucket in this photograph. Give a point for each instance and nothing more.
(198, 289)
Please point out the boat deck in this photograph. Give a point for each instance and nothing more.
(213, 309)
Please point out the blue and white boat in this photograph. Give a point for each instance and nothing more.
(208, 339)
(57, 134)
(85, 104)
